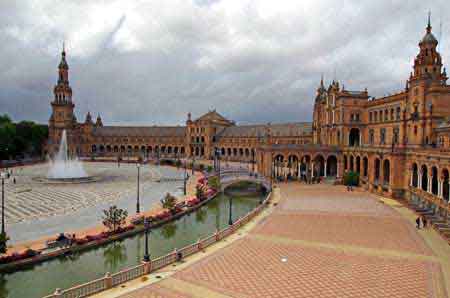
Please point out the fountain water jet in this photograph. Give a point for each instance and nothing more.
(63, 167)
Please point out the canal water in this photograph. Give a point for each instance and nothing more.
(65, 272)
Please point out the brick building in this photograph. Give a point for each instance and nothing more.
(399, 144)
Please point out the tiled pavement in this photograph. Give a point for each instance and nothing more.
(320, 241)
(156, 292)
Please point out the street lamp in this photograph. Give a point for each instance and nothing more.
(3, 176)
(193, 161)
(185, 178)
(146, 253)
(137, 198)
(230, 218)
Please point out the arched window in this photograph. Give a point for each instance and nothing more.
(424, 181)
(386, 172)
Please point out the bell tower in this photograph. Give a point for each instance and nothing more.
(428, 63)
(62, 117)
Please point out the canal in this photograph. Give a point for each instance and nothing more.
(67, 271)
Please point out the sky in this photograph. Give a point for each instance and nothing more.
(151, 62)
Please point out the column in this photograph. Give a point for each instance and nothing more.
(411, 180)
(440, 188)
(419, 183)
(429, 184)
(337, 169)
(325, 169)
(312, 169)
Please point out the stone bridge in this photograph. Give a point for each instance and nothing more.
(231, 176)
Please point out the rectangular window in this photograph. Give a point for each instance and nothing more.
(371, 136)
(370, 116)
(398, 113)
(396, 135)
(383, 136)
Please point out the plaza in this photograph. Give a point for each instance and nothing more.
(305, 247)
(36, 208)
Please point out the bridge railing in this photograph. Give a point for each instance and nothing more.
(109, 281)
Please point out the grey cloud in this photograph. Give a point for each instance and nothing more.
(152, 62)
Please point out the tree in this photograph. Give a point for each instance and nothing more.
(113, 218)
(21, 139)
(351, 178)
(169, 202)
(200, 192)
(5, 119)
(3, 240)
(214, 183)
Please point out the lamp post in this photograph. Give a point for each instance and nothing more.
(3, 201)
(230, 218)
(146, 252)
(193, 161)
(218, 162)
(137, 197)
(185, 178)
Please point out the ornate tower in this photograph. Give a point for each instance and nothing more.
(428, 62)
(425, 100)
(62, 116)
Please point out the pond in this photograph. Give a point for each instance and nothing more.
(67, 271)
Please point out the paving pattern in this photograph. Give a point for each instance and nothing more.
(31, 198)
(157, 292)
(320, 241)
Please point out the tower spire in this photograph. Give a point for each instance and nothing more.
(429, 22)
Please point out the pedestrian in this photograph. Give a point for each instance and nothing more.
(418, 223)
(14, 180)
(424, 221)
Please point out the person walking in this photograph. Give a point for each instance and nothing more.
(424, 221)
(418, 222)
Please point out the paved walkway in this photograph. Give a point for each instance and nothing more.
(40, 243)
(319, 241)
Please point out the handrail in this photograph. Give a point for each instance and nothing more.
(110, 280)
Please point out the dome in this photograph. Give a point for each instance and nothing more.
(429, 38)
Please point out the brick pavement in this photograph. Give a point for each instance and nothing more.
(156, 291)
(320, 241)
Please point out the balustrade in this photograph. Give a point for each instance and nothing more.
(123, 276)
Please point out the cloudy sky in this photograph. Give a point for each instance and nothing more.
(151, 62)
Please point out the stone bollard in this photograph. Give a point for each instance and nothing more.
(57, 293)
(199, 244)
(147, 267)
(108, 280)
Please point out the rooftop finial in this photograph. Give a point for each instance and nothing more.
(429, 22)
(64, 48)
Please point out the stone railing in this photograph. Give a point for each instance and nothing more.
(111, 280)
(440, 202)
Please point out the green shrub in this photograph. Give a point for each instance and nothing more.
(351, 178)
(213, 182)
(3, 240)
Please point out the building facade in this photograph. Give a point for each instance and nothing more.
(399, 144)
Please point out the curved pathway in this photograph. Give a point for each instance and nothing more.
(319, 241)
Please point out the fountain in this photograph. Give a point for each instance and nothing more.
(66, 169)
